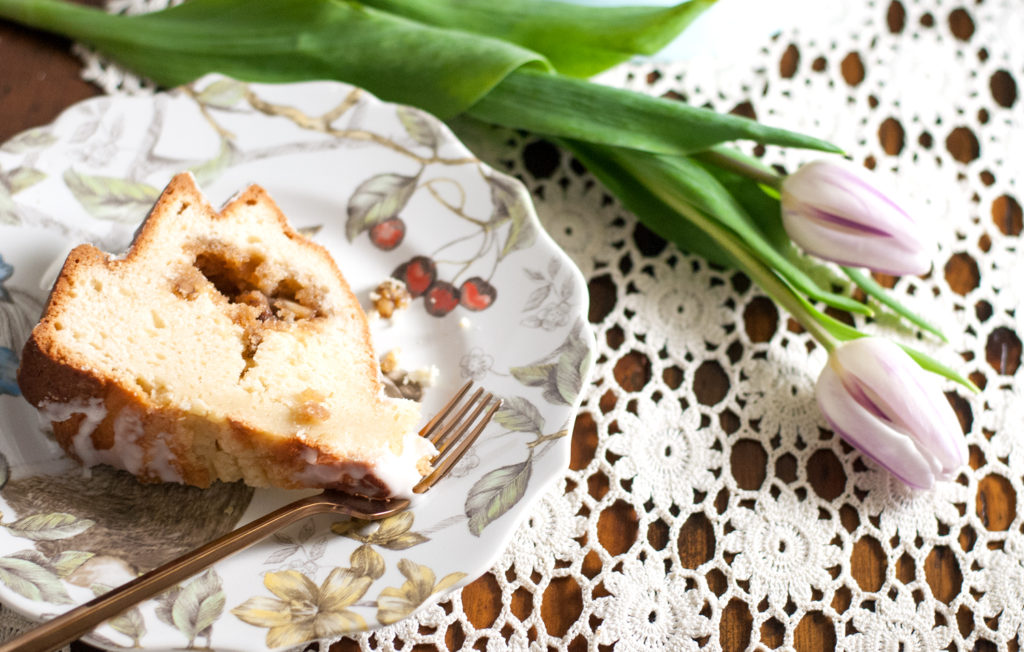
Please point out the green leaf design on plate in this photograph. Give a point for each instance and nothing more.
(223, 93)
(5, 468)
(496, 493)
(27, 141)
(49, 527)
(367, 562)
(562, 372)
(110, 198)
(511, 203)
(520, 415)
(572, 368)
(198, 605)
(21, 178)
(208, 171)
(130, 623)
(537, 297)
(419, 125)
(68, 561)
(532, 375)
(23, 573)
(165, 604)
(8, 212)
(379, 198)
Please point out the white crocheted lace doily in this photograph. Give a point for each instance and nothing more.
(899, 84)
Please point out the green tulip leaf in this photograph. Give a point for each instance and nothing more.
(682, 182)
(398, 60)
(931, 364)
(562, 107)
(443, 71)
(878, 293)
(578, 40)
(658, 216)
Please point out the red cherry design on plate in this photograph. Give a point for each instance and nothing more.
(477, 294)
(441, 298)
(417, 274)
(388, 234)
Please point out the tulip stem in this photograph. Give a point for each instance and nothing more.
(873, 289)
(780, 291)
(733, 160)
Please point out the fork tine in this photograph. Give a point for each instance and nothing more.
(451, 426)
(460, 423)
(464, 442)
(435, 421)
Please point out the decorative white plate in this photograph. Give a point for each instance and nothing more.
(339, 162)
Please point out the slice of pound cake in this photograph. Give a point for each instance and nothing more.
(222, 346)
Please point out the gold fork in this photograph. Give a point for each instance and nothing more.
(450, 430)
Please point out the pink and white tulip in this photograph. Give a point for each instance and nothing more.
(832, 210)
(879, 400)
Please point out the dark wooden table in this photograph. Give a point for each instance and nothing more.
(39, 78)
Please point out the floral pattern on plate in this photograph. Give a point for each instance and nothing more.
(388, 190)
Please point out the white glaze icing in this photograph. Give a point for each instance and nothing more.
(161, 461)
(127, 430)
(126, 452)
(93, 410)
(399, 472)
(327, 475)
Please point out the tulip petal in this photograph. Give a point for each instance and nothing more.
(837, 222)
(839, 186)
(890, 448)
(844, 247)
(896, 385)
(832, 210)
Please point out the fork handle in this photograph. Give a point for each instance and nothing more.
(74, 623)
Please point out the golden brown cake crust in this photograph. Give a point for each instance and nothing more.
(196, 450)
(45, 377)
